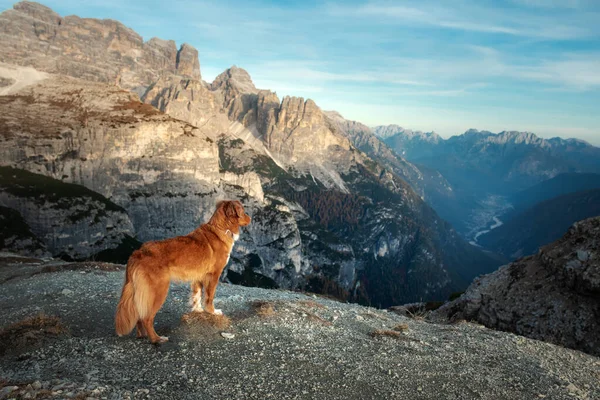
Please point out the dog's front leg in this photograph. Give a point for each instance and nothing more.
(196, 300)
(211, 288)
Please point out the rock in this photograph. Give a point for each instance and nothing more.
(227, 335)
(551, 296)
(89, 223)
(37, 385)
(92, 49)
(66, 292)
(7, 390)
(187, 62)
(16, 235)
(583, 255)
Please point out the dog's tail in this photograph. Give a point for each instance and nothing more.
(127, 314)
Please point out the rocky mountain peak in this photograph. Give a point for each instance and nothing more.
(235, 78)
(516, 137)
(90, 49)
(389, 131)
(37, 11)
(187, 62)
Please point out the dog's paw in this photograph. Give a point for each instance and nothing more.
(197, 309)
(163, 339)
(218, 312)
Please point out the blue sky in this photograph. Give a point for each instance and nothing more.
(435, 65)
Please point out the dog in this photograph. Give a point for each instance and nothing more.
(198, 257)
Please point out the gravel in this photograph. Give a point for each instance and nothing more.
(304, 347)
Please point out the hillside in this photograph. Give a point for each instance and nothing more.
(559, 185)
(541, 224)
(283, 345)
(326, 216)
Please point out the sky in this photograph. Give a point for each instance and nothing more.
(432, 65)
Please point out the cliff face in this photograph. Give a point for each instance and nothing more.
(552, 296)
(70, 220)
(16, 236)
(91, 49)
(164, 172)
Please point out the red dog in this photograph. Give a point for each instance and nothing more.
(198, 257)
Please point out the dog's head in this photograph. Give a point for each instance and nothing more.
(230, 215)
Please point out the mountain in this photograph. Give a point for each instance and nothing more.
(559, 185)
(486, 169)
(326, 216)
(16, 236)
(552, 296)
(407, 142)
(541, 224)
(96, 50)
(430, 185)
(502, 163)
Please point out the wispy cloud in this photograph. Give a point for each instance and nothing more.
(471, 16)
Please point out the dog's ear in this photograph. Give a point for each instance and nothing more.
(230, 210)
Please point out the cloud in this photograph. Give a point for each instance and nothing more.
(473, 17)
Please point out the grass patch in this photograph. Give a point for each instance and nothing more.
(315, 318)
(31, 332)
(377, 333)
(263, 309)
(311, 304)
(400, 328)
(137, 107)
(207, 320)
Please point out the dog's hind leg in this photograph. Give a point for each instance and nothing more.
(141, 332)
(156, 300)
(196, 299)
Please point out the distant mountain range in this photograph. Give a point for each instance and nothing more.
(480, 164)
(505, 162)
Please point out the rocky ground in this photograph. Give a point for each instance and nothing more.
(553, 295)
(275, 344)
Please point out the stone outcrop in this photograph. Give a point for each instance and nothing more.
(16, 236)
(90, 49)
(70, 220)
(552, 296)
